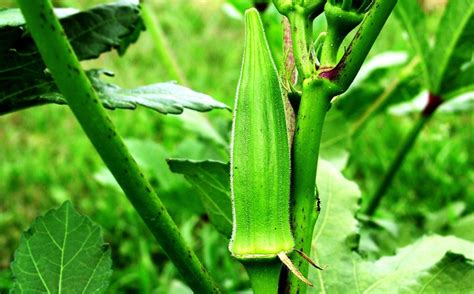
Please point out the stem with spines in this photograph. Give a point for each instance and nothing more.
(60, 59)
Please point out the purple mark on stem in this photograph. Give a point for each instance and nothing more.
(434, 101)
(334, 73)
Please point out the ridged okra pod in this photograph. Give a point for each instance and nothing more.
(260, 164)
(260, 156)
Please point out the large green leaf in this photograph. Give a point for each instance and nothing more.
(211, 180)
(62, 252)
(452, 274)
(336, 138)
(12, 25)
(386, 79)
(167, 98)
(413, 19)
(349, 272)
(173, 189)
(453, 48)
(91, 32)
(12, 17)
(24, 80)
(335, 229)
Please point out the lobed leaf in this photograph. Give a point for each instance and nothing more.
(453, 274)
(165, 98)
(24, 80)
(62, 252)
(347, 271)
(168, 97)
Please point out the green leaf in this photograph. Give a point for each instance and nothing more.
(166, 98)
(462, 83)
(211, 179)
(24, 80)
(335, 240)
(91, 32)
(413, 19)
(12, 26)
(453, 47)
(173, 189)
(453, 274)
(336, 138)
(335, 229)
(384, 80)
(464, 228)
(12, 17)
(62, 252)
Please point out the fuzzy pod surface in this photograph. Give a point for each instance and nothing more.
(260, 155)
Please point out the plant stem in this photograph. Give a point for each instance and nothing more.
(330, 48)
(348, 67)
(264, 275)
(301, 34)
(434, 101)
(60, 59)
(314, 105)
(162, 48)
(407, 145)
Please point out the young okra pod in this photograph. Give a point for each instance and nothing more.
(260, 156)
(260, 166)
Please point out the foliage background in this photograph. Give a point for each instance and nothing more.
(45, 158)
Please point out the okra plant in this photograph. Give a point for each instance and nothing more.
(279, 206)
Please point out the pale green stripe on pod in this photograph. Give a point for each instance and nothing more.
(260, 156)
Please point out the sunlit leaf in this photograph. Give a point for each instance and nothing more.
(335, 244)
(168, 97)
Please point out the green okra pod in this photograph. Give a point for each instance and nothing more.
(260, 166)
(260, 155)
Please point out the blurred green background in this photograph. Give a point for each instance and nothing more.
(46, 159)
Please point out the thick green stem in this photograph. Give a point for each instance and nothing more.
(341, 21)
(301, 34)
(162, 49)
(332, 42)
(376, 199)
(309, 125)
(346, 70)
(264, 275)
(60, 59)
